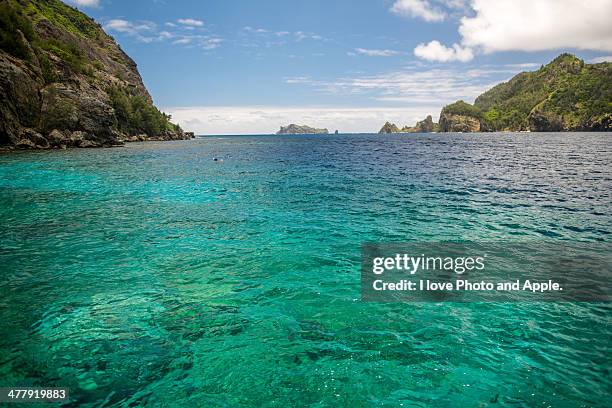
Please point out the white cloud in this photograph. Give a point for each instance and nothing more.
(418, 8)
(434, 87)
(376, 53)
(184, 40)
(220, 120)
(148, 32)
(523, 25)
(86, 3)
(298, 80)
(190, 22)
(528, 25)
(434, 51)
(164, 35)
(143, 31)
(301, 35)
(597, 60)
(210, 43)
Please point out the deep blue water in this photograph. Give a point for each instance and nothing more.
(153, 275)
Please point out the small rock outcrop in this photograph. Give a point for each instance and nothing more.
(294, 129)
(427, 125)
(389, 127)
(65, 83)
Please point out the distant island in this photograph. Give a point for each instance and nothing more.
(66, 83)
(565, 95)
(293, 129)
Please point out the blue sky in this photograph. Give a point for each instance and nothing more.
(235, 67)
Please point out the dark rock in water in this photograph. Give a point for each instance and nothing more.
(336, 132)
(30, 139)
(77, 92)
(293, 129)
(56, 138)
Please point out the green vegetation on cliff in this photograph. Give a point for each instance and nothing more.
(462, 108)
(136, 116)
(65, 82)
(15, 31)
(564, 95)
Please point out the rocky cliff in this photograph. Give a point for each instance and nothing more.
(293, 129)
(66, 83)
(426, 125)
(459, 117)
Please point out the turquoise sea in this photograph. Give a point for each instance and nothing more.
(152, 275)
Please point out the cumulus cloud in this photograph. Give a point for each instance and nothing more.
(191, 22)
(524, 25)
(434, 51)
(527, 25)
(418, 8)
(376, 53)
(220, 120)
(86, 3)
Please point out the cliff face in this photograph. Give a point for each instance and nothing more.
(458, 123)
(66, 83)
(564, 95)
(459, 117)
(426, 125)
(293, 129)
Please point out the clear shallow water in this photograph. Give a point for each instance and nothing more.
(152, 275)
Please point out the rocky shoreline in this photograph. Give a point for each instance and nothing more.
(57, 139)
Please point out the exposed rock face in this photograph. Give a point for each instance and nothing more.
(458, 123)
(57, 70)
(427, 125)
(389, 128)
(293, 129)
(545, 122)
